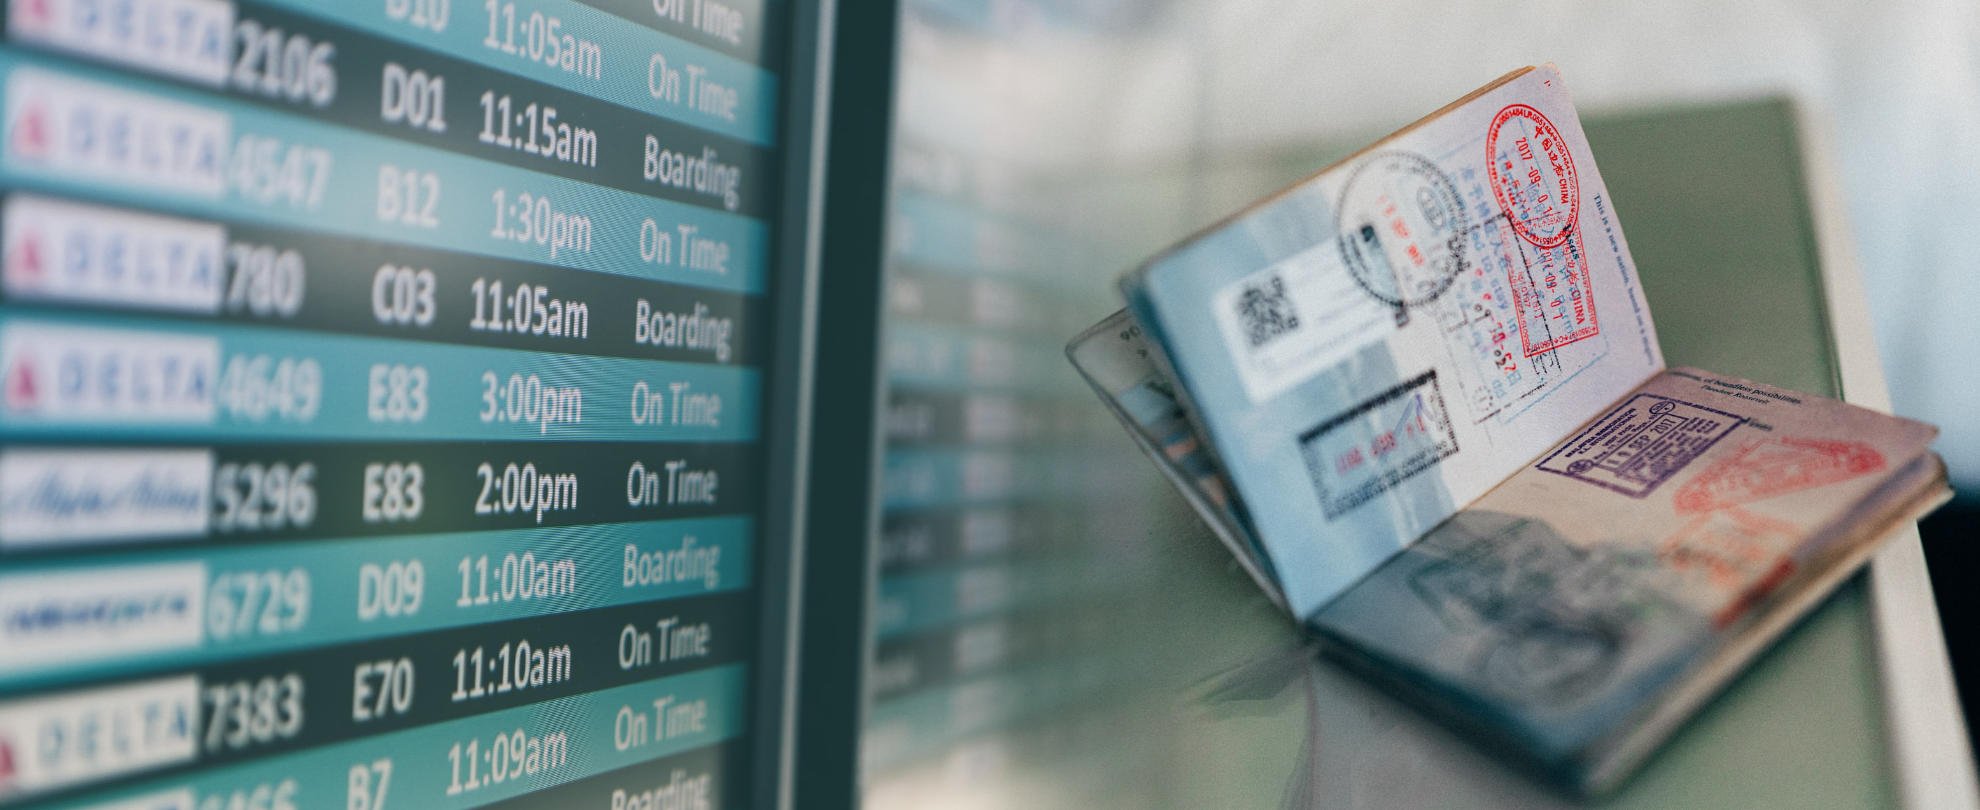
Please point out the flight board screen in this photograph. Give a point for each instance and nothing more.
(382, 393)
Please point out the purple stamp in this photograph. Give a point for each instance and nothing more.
(1641, 444)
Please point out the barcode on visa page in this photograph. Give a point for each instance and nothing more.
(1265, 311)
(1296, 318)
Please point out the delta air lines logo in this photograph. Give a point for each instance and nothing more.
(64, 251)
(24, 386)
(31, 139)
(65, 374)
(54, 741)
(7, 769)
(24, 262)
(184, 38)
(85, 131)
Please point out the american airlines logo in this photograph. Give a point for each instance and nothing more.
(70, 252)
(184, 38)
(52, 742)
(64, 497)
(71, 374)
(89, 614)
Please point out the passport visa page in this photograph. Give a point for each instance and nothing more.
(1580, 610)
(1379, 345)
(1119, 365)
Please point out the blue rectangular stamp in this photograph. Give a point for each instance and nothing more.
(1640, 445)
(1360, 454)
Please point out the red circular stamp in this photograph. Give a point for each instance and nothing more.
(1533, 176)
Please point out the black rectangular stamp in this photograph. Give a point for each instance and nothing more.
(1380, 443)
(1640, 445)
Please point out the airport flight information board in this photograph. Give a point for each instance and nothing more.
(383, 401)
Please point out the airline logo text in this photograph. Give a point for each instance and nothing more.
(48, 743)
(68, 252)
(49, 619)
(82, 129)
(79, 374)
(64, 497)
(184, 38)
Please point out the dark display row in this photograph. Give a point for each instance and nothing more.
(68, 499)
(70, 254)
(288, 52)
(279, 704)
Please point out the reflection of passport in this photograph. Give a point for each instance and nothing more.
(1419, 397)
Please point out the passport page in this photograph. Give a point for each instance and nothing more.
(1119, 365)
(1378, 345)
(1564, 610)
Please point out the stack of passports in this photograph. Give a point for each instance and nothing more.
(1420, 397)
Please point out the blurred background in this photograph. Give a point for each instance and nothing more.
(1052, 629)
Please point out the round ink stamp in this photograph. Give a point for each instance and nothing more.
(1533, 176)
(1402, 229)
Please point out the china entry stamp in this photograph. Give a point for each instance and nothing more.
(1553, 302)
(1534, 180)
(1533, 175)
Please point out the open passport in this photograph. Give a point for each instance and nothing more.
(1420, 397)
